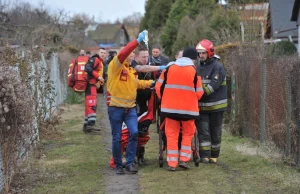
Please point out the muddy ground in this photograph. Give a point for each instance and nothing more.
(123, 184)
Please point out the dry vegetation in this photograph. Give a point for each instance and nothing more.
(26, 91)
(16, 120)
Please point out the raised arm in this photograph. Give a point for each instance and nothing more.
(117, 62)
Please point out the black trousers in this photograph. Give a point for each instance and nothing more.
(142, 106)
(142, 98)
(209, 128)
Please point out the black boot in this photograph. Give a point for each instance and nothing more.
(140, 155)
(131, 169)
(86, 128)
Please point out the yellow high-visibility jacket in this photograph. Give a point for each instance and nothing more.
(123, 82)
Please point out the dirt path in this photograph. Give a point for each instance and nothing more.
(124, 184)
(78, 163)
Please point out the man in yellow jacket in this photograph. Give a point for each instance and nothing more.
(122, 88)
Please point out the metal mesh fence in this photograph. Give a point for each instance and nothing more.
(10, 158)
(1, 172)
(267, 98)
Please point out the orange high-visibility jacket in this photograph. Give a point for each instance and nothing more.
(179, 89)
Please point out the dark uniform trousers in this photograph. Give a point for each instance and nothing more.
(209, 127)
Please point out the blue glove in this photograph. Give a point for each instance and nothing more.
(162, 67)
(141, 37)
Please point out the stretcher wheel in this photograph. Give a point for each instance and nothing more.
(196, 158)
(161, 162)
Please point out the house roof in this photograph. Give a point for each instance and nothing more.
(255, 11)
(133, 31)
(281, 25)
(88, 42)
(253, 14)
(105, 33)
(296, 10)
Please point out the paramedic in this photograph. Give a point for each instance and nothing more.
(122, 85)
(179, 89)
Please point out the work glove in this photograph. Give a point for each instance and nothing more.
(141, 36)
(162, 67)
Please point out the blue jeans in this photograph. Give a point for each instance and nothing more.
(117, 116)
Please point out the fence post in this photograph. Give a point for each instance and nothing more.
(288, 116)
(298, 124)
(263, 87)
(242, 31)
(1, 171)
(233, 100)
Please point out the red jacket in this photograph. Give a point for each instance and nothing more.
(98, 65)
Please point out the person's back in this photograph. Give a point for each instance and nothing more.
(179, 89)
(182, 74)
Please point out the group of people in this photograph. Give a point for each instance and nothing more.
(195, 81)
(96, 75)
(192, 93)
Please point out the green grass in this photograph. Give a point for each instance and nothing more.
(77, 163)
(74, 97)
(234, 173)
(72, 165)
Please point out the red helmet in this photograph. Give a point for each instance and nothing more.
(206, 45)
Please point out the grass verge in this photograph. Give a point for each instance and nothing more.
(74, 164)
(236, 172)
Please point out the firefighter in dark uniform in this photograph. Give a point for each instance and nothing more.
(212, 104)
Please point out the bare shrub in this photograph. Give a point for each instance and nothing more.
(225, 35)
(30, 94)
(16, 117)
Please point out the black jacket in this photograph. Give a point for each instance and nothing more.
(214, 85)
(143, 94)
(160, 60)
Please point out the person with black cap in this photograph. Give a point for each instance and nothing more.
(179, 89)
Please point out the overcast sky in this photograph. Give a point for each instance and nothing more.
(103, 10)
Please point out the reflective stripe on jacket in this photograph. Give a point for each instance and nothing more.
(181, 91)
(214, 84)
(79, 72)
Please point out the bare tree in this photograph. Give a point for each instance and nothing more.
(133, 19)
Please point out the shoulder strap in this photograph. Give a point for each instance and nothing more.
(94, 58)
(162, 88)
(89, 67)
(195, 81)
(73, 71)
